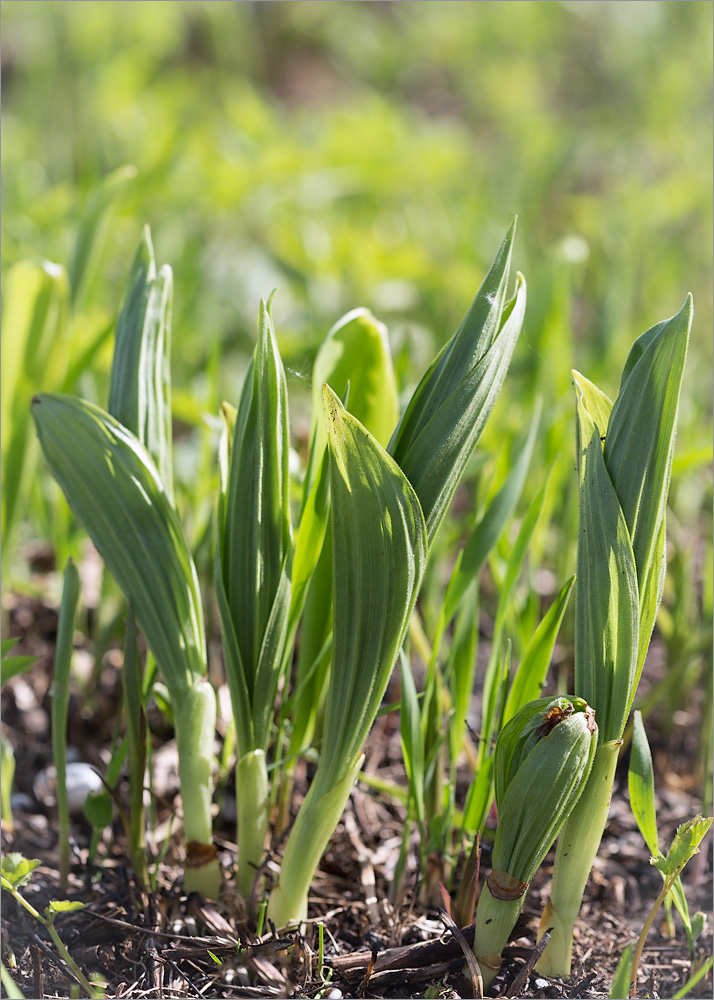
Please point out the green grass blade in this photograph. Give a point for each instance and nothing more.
(113, 487)
(140, 390)
(606, 599)
(533, 668)
(92, 230)
(35, 306)
(479, 797)
(451, 404)
(640, 781)
(621, 980)
(412, 744)
(489, 529)
(379, 553)
(460, 669)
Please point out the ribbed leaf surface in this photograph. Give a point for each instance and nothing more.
(607, 598)
(356, 350)
(451, 404)
(254, 550)
(379, 554)
(639, 447)
(114, 488)
(140, 389)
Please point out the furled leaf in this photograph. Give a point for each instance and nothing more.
(606, 599)
(255, 548)
(379, 554)
(114, 488)
(449, 408)
(140, 390)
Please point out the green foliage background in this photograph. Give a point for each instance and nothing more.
(373, 154)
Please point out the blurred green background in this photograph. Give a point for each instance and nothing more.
(374, 154)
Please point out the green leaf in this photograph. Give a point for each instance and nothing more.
(606, 598)
(34, 310)
(7, 645)
(310, 539)
(254, 550)
(621, 980)
(64, 906)
(92, 230)
(140, 390)
(114, 488)
(449, 408)
(533, 668)
(640, 781)
(639, 449)
(356, 350)
(14, 665)
(684, 846)
(16, 870)
(379, 553)
(99, 809)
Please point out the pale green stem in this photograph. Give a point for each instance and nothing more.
(136, 742)
(575, 854)
(60, 707)
(495, 919)
(316, 822)
(645, 931)
(253, 799)
(195, 721)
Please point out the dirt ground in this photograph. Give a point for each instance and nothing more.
(167, 945)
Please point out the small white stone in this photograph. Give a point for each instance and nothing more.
(540, 984)
(81, 780)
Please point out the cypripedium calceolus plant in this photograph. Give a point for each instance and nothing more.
(624, 455)
(543, 757)
(117, 479)
(386, 507)
(115, 471)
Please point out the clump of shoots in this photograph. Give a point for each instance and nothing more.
(624, 456)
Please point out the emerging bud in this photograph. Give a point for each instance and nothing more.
(543, 757)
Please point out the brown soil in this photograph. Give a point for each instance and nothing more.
(162, 944)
